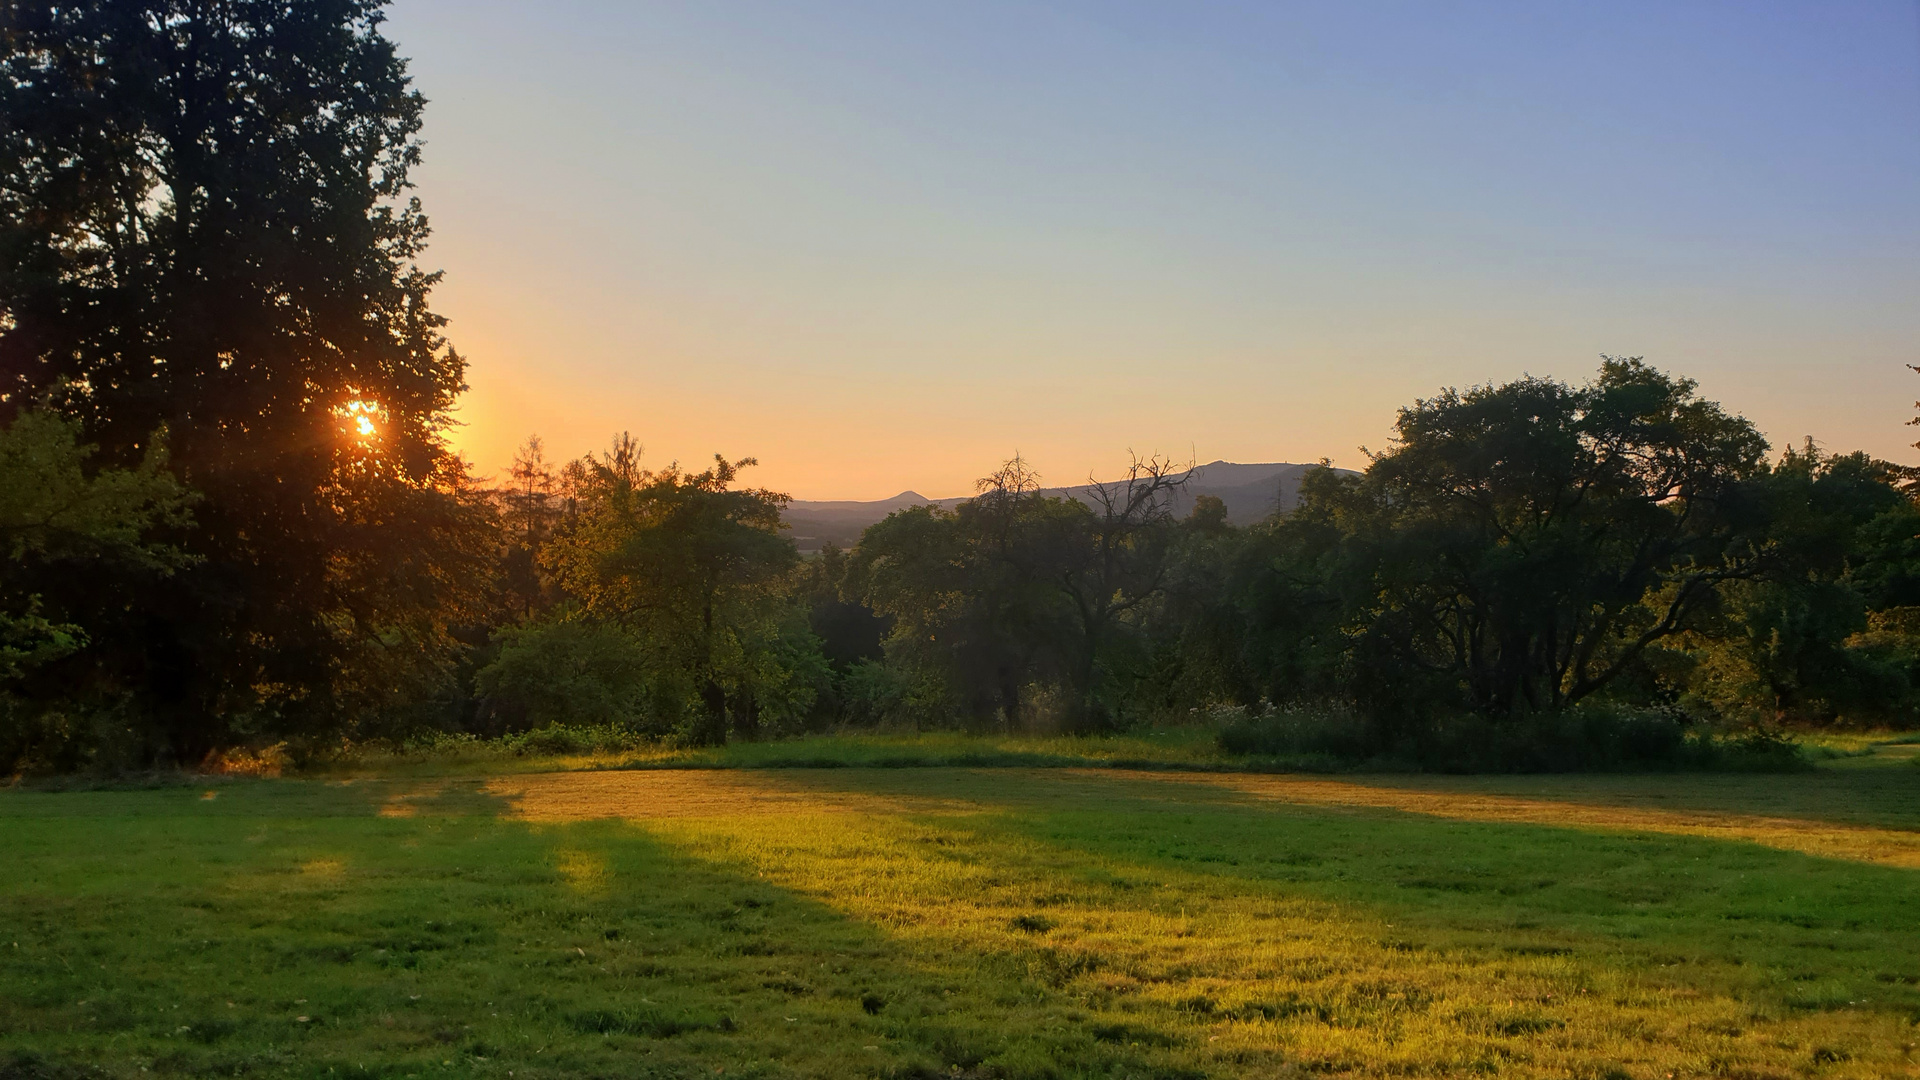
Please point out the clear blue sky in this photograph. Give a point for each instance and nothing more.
(883, 245)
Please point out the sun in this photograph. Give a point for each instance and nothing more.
(365, 417)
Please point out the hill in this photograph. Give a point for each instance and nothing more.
(1251, 492)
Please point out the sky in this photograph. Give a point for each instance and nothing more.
(884, 246)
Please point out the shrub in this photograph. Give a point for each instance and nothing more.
(565, 739)
(552, 740)
(1593, 737)
(1296, 731)
(575, 673)
(101, 737)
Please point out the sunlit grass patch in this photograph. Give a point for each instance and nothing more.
(1469, 800)
(324, 869)
(685, 793)
(1195, 745)
(1858, 750)
(584, 872)
(1183, 934)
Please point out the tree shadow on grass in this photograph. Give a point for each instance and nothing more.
(311, 930)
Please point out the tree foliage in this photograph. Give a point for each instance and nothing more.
(1525, 543)
(1017, 593)
(62, 521)
(1520, 549)
(54, 513)
(205, 232)
(700, 571)
(1824, 629)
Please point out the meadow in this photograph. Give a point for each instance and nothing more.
(965, 921)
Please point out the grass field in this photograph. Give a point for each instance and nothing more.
(1189, 747)
(967, 922)
(1179, 748)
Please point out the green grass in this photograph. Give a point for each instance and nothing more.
(1190, 747)
(972, 922)
(1182, 747)
(1856, 748)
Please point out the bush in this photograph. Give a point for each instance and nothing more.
(563, 739)
(872, 694)
(1297, 731)
(1597, 737)
(552, 740)
(577, 674)
(97, 737)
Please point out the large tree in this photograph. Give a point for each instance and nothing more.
(1522, 545)
(206, 239)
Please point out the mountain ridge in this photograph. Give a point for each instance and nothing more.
(1251, 491)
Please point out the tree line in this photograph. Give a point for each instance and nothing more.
(1521, 551)
(231, 516)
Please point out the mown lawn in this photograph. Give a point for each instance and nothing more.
(1192, 747)
(974, 922)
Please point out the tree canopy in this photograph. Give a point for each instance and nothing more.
(206, 241)
(1528, 541)
(700, 571)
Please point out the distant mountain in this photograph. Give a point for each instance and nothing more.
(1251, 492)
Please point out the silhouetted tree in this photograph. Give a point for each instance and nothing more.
(971, 613)
(529, 515)
(1131, 539)
(205, 232)
(1523, 544)
(1016, 589)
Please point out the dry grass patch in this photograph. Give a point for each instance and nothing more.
(674, 793)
